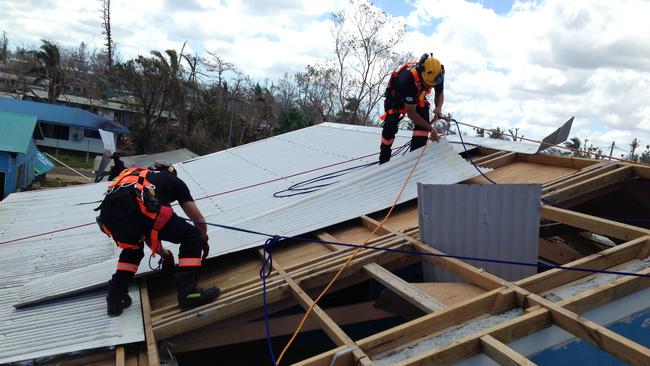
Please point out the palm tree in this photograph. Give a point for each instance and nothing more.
(48, 68)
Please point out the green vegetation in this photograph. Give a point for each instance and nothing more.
(73, 159)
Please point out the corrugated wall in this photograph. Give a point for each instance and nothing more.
(498, 221)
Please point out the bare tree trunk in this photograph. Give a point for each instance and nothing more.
(106, 23)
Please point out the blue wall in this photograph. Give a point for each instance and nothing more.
(11, 167)
(8, 167)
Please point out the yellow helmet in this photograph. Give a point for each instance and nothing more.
(431, 70)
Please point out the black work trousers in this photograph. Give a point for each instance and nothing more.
(391, 124)
(177, 231)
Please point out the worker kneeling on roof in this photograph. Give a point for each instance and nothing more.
(136, 210)
(406, 95)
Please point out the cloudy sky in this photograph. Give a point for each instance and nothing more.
(525, 64)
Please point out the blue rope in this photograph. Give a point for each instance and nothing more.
(310, 185)
(468, 154)
(267, 264)
(265, 271)
(404, 251)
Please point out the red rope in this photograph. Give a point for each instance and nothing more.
(198, 199)
(49, 232)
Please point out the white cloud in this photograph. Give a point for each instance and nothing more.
(263, 38)
(531, 68)
(543, 62)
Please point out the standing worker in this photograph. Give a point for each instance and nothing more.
(117, 168)
(135, 211)
(405, 95)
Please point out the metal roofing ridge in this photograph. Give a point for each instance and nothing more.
(339, 126)
(490, 142)
(373, 130)
(231, 149)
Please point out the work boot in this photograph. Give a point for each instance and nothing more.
(189, 294)
(118, 298)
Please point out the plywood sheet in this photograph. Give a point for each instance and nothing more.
(523, 172)
(449, 293)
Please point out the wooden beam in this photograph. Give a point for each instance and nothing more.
(592, 223)
(343, 358)
(228, 306)
(590, 185)
(325, 236)
(120, 356)
(336, 334)
(606, 293)
(491, 302)
(471, 345)
(557, 252)
(642, 171)
(597, 335)
(586, 173)
(551, 183)
(227, 333)
(254, 285)
(608, 258)
(502, 354)
(489, 156)
(152, 346)
(372, 224)
(567, 162)
(498, 161)
(468, 272)
(107, 357)
(402, 288)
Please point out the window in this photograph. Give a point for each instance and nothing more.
(55, 131)
(93, 134)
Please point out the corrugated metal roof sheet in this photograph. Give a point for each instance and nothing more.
(505, 145)
(45, 260)
(58, 114)
(64, 326)
(498, 221)
(17, 131)
(173, 156)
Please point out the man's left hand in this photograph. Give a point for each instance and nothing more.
(206, 248)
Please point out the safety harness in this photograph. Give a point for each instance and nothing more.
(390, 91)
(147, 202)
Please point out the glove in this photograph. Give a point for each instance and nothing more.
(206, 248)
(168, 264)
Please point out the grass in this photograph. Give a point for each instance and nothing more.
(73, 159)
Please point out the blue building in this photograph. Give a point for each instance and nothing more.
(65, 127)
(20, 160)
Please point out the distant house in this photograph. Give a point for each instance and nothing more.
(65, 127)
(120, 110)
(20, 160)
